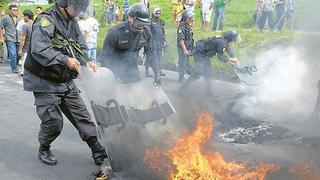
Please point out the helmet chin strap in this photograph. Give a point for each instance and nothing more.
(68, 15)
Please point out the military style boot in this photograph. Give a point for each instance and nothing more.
(99, 153)
(46, 156)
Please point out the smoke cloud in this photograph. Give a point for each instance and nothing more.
(285, 86)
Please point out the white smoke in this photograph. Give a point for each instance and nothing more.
(280, 87)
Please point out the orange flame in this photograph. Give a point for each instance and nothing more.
(187, 160)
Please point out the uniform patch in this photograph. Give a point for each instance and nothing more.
(123, 42)
(179, 31)
(44, 22)
(224, 49)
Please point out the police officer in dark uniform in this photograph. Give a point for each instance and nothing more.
(53, 61)
(185, 43)
(121, 47)
(204, 50)
(159, 38)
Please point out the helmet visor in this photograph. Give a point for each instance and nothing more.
(238, 39)
(140, 23)
(79, 6)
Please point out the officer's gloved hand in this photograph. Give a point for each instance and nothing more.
(157, 81)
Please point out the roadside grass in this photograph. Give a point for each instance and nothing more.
(238, 16)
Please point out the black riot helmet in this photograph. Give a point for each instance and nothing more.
(187, 14)
(231, 35)
(79, 5)
(139, 12)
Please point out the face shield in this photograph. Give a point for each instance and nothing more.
(238, 39)
(140, 23)
(75, 7)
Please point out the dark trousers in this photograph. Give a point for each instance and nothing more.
(263, 18)
(203, 67)
(159, 57)
(50, 106)
(183, 62)
(280, 12)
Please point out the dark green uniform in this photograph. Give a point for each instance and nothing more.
(184, 33)
(158, 37)
(203, 51)
(120, 52)
(55, 95)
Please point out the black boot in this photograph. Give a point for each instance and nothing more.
(46, 156)
(99, 153)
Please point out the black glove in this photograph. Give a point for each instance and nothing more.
(157, 81)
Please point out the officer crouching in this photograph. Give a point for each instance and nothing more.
(53, 61)
(203, 51)
(121, 47)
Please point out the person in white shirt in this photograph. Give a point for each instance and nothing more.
(206, 8)
(82, 25)
(189, 5)
(91, 29)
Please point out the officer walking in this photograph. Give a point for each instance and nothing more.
(203, 51)
(53, 61)
(185, 43)
(122, 45)
(159, 38)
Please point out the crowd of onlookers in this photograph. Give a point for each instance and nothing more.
(264, 14)
(15, 35)
(15, 26)
(274, 13)
(112, 11)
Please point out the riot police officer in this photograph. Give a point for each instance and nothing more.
(122, 45)
(53, 61)
(204, 50)
(159, 38)
(185, 43)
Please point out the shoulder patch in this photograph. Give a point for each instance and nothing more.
(44, 22)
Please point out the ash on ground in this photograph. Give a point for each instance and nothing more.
(239, 130)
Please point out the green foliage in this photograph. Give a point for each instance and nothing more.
(238, 16)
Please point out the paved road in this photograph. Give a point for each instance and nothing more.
(20, 125)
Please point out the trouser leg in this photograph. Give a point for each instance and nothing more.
(182, 63)
(221, 14)
(75, 110)
(47, 108)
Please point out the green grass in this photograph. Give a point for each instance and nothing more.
(238, 16)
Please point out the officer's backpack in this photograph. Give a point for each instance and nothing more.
(202, 46)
